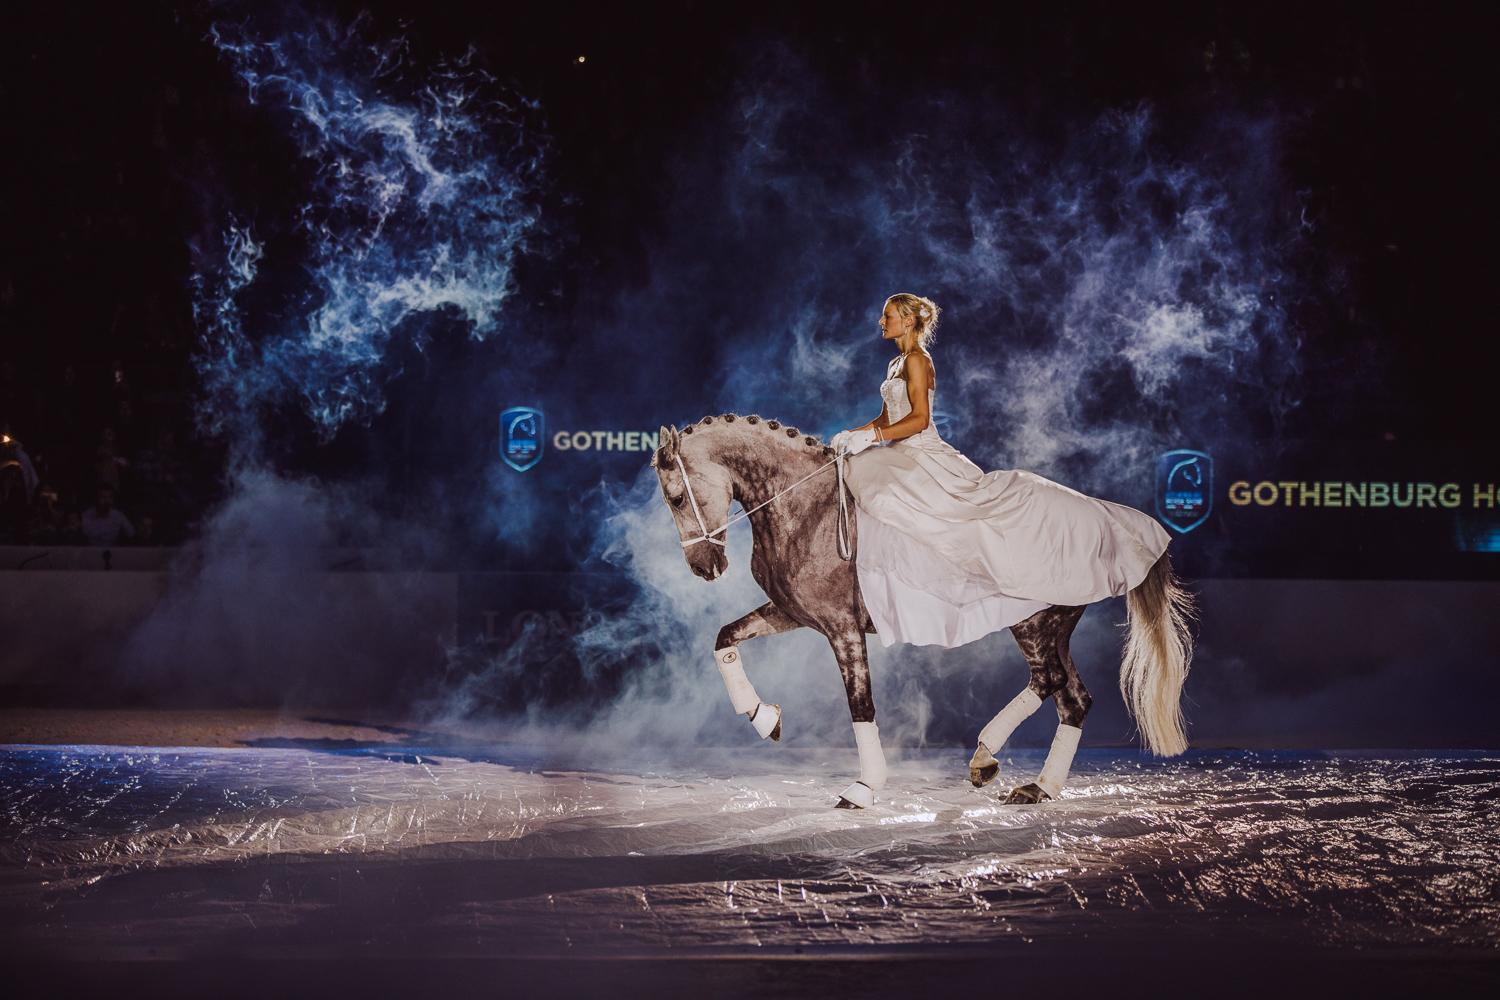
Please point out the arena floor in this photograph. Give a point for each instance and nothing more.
(384, 859)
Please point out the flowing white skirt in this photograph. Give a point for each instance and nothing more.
(948, 553)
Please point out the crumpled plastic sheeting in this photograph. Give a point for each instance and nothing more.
(508, 852)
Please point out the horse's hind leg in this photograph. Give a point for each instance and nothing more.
(1043, 639)
(1031, 637)
(984, 766)
(767, 619)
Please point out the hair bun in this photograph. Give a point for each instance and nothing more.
(918, 308)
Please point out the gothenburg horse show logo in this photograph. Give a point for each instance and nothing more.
(1184, 489)
(521, 437)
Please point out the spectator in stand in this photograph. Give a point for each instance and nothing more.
(102, 524)
(17, 482)
(65, 414)
(48, 525)
(122, 406)
(11, 451)
(107, 460)
(73, 530)
(156, 478)
(147, 533)
(125, 431)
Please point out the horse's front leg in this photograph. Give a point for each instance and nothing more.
(767, 619)
(854, 665)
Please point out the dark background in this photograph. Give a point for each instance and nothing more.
(720, 200)
(129, 138)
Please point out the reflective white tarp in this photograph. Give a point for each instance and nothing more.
(513, 851)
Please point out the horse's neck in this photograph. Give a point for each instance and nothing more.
(760, 486)
(761, 470)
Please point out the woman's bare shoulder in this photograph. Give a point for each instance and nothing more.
(925, 360)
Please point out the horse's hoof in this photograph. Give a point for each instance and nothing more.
(1026, 795)
(767, 721)
(983, 767)
(857, 796)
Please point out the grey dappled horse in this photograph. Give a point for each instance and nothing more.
(797, 561)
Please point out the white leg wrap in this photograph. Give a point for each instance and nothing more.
(1059, 760)
(872, 771)
(1012, 715)
(858, 794)
(741, 692)
(871, 757)
(765, 718)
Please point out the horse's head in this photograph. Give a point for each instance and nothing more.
(698, 492)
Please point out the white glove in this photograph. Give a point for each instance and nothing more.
(860, 440)
(839, 440)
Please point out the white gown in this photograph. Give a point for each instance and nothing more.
(948, 553)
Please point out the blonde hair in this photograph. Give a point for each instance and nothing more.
(920, 308)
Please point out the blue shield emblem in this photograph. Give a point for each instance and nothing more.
(521, 437)
(1184, 489)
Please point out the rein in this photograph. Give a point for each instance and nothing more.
(707, 536)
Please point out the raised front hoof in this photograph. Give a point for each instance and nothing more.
(767, 722)
(857, 796)
(1026, 795)
(983, 767)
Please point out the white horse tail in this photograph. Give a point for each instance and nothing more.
(1158, 652)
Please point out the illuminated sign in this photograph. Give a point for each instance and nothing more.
(1335, 510)
(1343, 493)
(1184, 489)
(522, 440)
(521, 437)
(605, 440)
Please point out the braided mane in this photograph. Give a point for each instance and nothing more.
(771, 427)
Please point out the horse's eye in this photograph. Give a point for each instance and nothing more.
(677, 500)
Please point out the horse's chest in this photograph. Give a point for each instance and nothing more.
(801, 583)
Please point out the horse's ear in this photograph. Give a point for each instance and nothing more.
(666, 445)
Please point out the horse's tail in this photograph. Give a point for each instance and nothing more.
(1158, 652)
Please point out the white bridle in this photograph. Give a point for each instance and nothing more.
(707, 536)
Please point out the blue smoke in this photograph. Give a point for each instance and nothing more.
(415, 195)
(1115, 291)
(1107, 294)
(421, 195)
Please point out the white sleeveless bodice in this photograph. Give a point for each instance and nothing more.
(898, 405)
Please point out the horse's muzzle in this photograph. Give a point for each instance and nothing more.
(711, 565)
